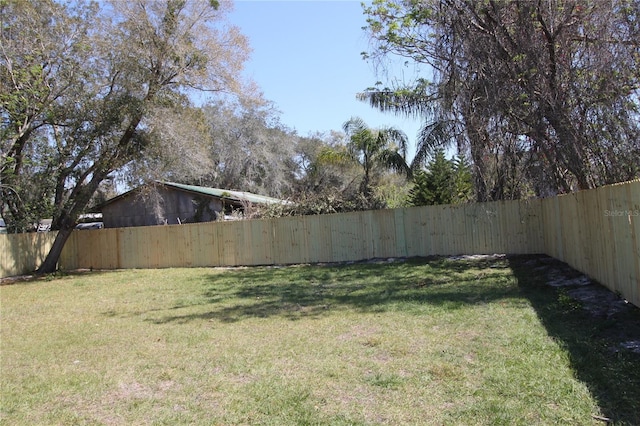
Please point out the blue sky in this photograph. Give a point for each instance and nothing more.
(306, 59)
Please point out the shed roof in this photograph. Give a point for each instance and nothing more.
(236, 197)
(225, 193)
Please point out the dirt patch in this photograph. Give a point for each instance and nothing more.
(35, 277)
(16, 279)
(597, 300)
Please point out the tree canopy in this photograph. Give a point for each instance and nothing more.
(87, 89)
(544, 94)
(444, 182)
(250, 149)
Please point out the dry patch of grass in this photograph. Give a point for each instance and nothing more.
(420, 342)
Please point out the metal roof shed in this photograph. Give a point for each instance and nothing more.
(164, 203)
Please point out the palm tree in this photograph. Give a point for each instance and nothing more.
(385, 148)
(437, 131)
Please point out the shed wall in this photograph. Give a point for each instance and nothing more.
(164, 207)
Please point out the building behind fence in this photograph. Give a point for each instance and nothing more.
(596, 231)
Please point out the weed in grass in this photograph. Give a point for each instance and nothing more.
(383, 380)
(566, 302)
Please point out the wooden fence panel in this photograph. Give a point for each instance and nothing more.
(290, 241)
(23, 253)
(202, 244)
(632, 287)
(571, 222)
(622, 239)
(475, 233)
(253, 245)
(445, 217)
(481, 228)
(134, 248)
(457, 231)
(85, 249)
(345, 230)
(595, 231)
(438, 229)
(318, 240)
(527, 226)
(155, 244)
(226, 243)
(107, 259)
(379, 234)
(69, 257)
(415, 235)
(446, 233)
(602, 255)
(536, 225)
(584, 249)
(511, 233)
(250, 250)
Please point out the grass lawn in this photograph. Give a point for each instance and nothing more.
(427, 341)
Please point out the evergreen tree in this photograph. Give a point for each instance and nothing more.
(441, 174)
(462, 181)
(420, 194)
(435, 186)
(376, 150)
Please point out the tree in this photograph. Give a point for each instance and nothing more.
(436, 185)
(462, 181)
(250, 149)
(376, 148)
(43, 50)
(325, 166)
(421, 192)
(546, 92)
(444, 182)
(179, 149)
(124, 68)
(393, 190)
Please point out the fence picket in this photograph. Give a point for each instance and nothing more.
(595, 231)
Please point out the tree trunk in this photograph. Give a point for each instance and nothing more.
(571, 146)
(50, 263)
(478, 140)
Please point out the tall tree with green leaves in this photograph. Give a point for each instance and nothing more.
(250, 149)
(421, 193)
(325, 166)
(545, 92)
(102, 100)
(43, 52)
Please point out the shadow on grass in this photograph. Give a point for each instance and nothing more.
(611, 372)
(311, 291)
(592, 341)
(35, 278)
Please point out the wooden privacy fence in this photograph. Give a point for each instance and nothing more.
(419, 231)
(595, 231)
(23, 253)
(598, 233)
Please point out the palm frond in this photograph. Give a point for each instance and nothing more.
(354, 126)
(397, 137)
(432, 136)
(418, 100)
(334, 156)
(394, 160)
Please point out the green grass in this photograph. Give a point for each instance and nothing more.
(421, 342)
